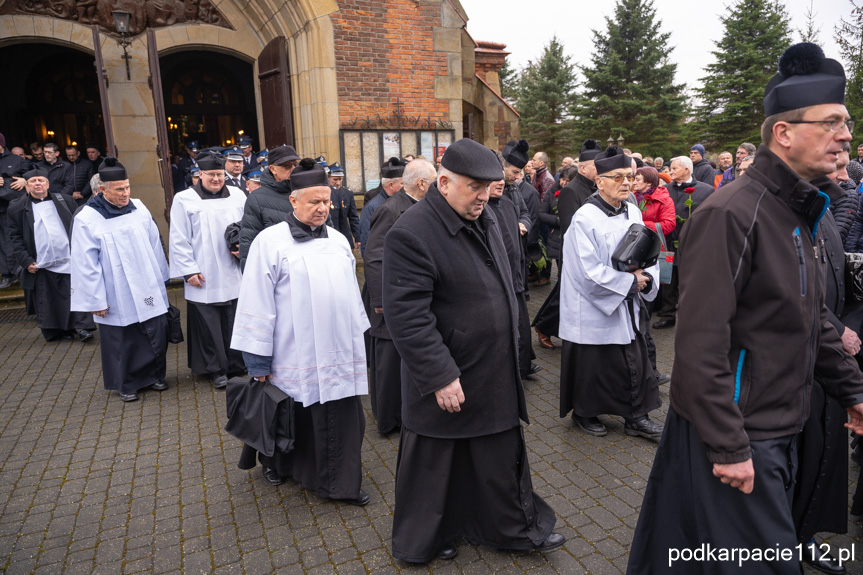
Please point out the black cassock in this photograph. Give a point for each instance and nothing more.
(50, 298)
(133, 356)
(209, 329)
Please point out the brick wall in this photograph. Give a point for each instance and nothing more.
(384, 52)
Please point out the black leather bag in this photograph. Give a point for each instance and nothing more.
(638, 249)
(175, 326)
(260, 415)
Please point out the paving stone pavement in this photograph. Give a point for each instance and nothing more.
(89, 484)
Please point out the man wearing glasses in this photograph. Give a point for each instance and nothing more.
(271, 203)
(752, 335)
(201, 256)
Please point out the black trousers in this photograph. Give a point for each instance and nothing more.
(670, 294)
(209, 328)
(385, 384)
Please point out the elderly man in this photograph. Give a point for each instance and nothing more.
(94, 154)
(12, 168)
(81, 170)
(300, 325)
(40, 226)
(542, 180)
(385, 382)
(59, 170)
(391, 182)
(271, 203)
(753, 333)
(450, 306)
(743, 150)
(19, 151)
(344, 208)
(253, 180)
(563, 163)
(701, 169)
(200, 255)
(605, 368)
(118, 274)
(687, 193)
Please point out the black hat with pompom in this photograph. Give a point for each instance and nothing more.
(515, 153)
(612, 159)
(589, 151)
(209, 161)
(806, 78)
(110, 170)
(308, 174)
(393, 168)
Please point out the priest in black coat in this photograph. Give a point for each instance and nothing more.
(450, 306)
(40, 227)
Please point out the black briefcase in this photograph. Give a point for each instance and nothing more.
(260, 415)
(175, 326)
(638, 249)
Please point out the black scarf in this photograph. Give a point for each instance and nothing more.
(206, 194)
(109, 210)
(302, 232)
(607, 208)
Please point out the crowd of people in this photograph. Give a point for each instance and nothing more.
(753, 453)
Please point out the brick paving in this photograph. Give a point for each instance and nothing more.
(89, 484)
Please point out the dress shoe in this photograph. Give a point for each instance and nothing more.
(159, 386)
(84, 335)
(220, 381)
(644, 427)
(532, 370)
(551, 543)
(5, 282)
(129, 396)
(271, 476)
(543, 282)
(664, 323)
(818, 560)
(591, 425)
(361, 500)
(447, 552)
(544, 340)
(662, 377)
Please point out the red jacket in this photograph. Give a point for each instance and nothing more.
(658, 207)
(543, 182)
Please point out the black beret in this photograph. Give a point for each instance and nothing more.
(806, 78)
(589, 151)
(515, 153)
(36, 173)
(112, 171)
(282, 154)
(472, 159)
(308, 175)
(209, 161)
(612, 158)
(393, 168)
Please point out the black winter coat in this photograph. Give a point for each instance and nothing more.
(572, 196)
(548, 215)
(269, 205)
(845, 208)
(451, 310)
(531, 200)
(80, 172)
(678, 195)
(702, 172)
(854, 241)
(59, 176)
(21, 233)
(506, 215)
(11, 166)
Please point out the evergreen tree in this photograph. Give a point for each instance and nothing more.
(811, 32)
(629, 87)
(545, 96)
(732, 94)
(508, 82)
(849, 37)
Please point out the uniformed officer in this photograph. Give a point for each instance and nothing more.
(250, 160)
(234, 167)
(346, 220)
(188, 162)
(253, 180)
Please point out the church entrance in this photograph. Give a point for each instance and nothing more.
(57, 98)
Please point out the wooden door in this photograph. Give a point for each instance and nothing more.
(275, 84)
(102, 78)
(162, 149)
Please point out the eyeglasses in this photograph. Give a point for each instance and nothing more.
(619, 178)
(832, 125)
(213, 175)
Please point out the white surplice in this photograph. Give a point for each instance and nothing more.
(118, 264)
(593, 307)
(51, 239)
(300, 304)
(197, 244)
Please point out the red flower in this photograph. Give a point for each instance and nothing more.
(557, 193)
(689, 190)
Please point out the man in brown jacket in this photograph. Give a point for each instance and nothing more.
(752, 333)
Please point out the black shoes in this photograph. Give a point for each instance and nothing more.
(664, 323)
(271, 476)
(159, 386)
(220, 381)
(590, 425)
(552, 542)
(128, 396)
(5, 282)
(447, 552)
(84, 335)
(644, 427)
(662, 377)
(532, 370)
(818, 560)
(361, 501)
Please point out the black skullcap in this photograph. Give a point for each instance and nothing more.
(806, 78)
(282, 154)
(472, 159)
(308, 175)
(210, 161)
(515, 153)
(393, 168)
(589, 151)
(112, 171)
(92, 147)
(612, 158)
(36, 173)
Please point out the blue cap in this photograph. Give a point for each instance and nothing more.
(254, 176)
(263, 164)
(234, 153)
(245, 143)
(698, 148)
(192, 146)
(263, 153)
(336, 170)
(195, 171)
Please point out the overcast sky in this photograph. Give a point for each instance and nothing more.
(526, 27)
